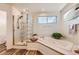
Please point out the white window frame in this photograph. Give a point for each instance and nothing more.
(47, 20)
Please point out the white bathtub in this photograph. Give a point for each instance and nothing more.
(60, 45)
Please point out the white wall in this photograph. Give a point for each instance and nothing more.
(3, 18)
(9, 24)
(46, 29)
(3, 27)
(9, 37)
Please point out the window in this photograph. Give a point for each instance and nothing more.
(42, 19)
(47, 19)
(52, 19)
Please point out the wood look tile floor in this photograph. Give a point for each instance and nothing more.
(4, 51)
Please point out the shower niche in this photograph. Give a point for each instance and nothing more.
(22, 27)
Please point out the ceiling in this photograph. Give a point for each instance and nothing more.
(38, 7)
